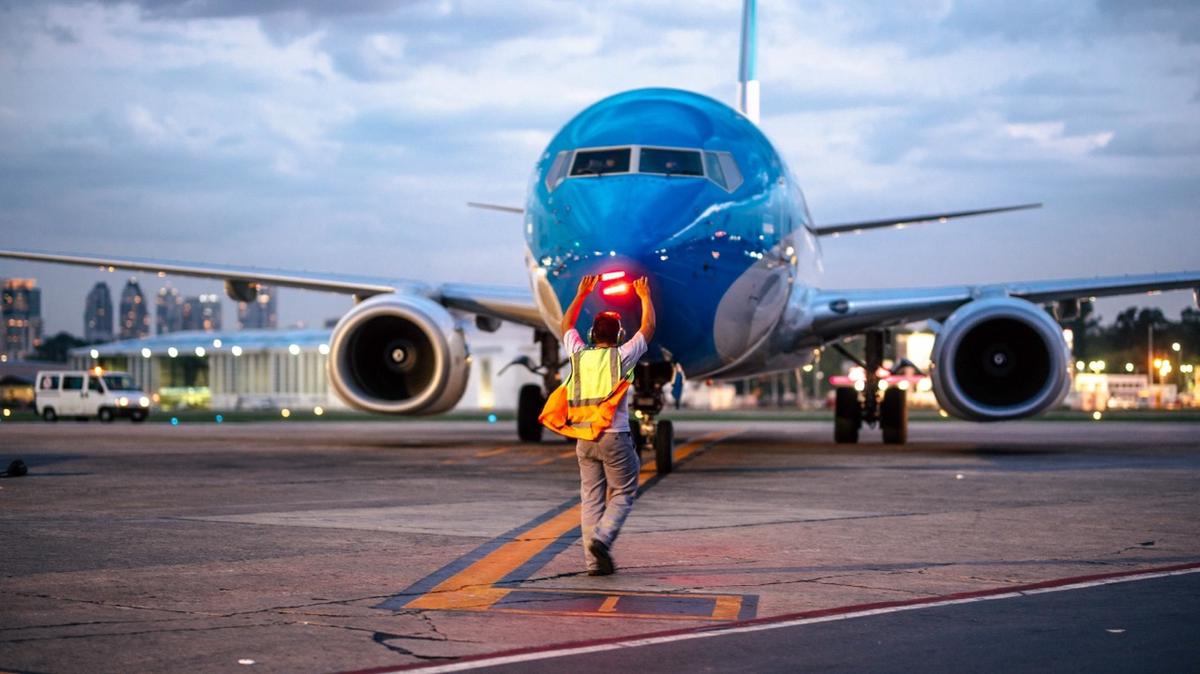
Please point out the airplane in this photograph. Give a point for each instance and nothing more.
(688, 191)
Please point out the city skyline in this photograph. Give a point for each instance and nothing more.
(347, 138)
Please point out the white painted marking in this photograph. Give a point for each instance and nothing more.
(650, 641)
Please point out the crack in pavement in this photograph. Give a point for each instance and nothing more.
(139, 632)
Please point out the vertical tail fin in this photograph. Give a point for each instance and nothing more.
(748, 68)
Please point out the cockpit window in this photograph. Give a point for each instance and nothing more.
(558, 170)
(723, 170)
(670, 162)
(599, 162)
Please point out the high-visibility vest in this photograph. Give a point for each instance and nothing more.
(586, 403)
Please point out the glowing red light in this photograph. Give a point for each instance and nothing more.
(616, 289)
(612, 275)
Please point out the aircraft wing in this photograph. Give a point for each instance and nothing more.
(504, 303)
(839, 313)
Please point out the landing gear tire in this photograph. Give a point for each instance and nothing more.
(847, 416)
(105, 415)
(529, 407)
(893, 417)
(664, 447)
(50, 415)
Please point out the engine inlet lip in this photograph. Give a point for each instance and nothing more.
(946, 377)
(339, 369)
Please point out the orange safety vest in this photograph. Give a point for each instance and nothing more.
(584, 406)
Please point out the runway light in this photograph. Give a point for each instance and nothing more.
(958, 476)
(200, 351)
(323, 349)
(1097, 415)
(491, 418)
(219, 419)
(145, 352)
(616, 289)
(236, 350)
(94, 353)
(173, 352)
(294, 349)
(285, 413)
(318, 410)
(174, 421)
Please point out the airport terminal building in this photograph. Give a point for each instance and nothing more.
(270, 369)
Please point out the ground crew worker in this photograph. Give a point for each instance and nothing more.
(610, 462)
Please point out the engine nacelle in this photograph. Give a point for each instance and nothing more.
(398, 354)
(999, 358)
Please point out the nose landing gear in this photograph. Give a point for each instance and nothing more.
(889, 411)
(647, 402)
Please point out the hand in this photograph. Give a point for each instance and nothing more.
(587, 284)
(642, 288)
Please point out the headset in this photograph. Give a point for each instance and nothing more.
(610, 314)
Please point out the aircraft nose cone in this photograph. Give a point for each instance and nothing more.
(627, 216)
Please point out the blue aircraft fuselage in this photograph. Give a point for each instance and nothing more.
(724, 252)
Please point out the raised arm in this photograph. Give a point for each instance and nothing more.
(586, 285)
(642, 288)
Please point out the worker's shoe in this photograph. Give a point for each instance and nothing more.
(604, 561)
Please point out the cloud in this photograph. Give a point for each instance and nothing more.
(346, 136)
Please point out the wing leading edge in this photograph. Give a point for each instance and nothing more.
(838, 313)
(504, 303)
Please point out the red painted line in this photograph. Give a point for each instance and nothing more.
(818, 613)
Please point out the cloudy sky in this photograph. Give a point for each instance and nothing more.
(347, 136)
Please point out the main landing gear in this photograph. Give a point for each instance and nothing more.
(889, 411)
(532, 397)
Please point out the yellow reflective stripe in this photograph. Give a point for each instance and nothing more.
(595, 374)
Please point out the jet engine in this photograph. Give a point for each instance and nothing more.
(398, 354)
(999, 358)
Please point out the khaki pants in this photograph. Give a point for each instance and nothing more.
(608, 463)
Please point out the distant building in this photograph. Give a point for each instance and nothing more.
(259, 314)
(21, 313)
(168, 311)
(135, 316)
(202, 313)
(270, 369)
(98, 314)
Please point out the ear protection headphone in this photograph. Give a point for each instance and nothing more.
(620, 328)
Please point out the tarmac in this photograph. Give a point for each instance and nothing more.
(341, 546)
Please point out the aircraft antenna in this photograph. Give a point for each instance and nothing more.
(748, 68)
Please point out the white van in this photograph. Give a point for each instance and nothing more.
(96, 393)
